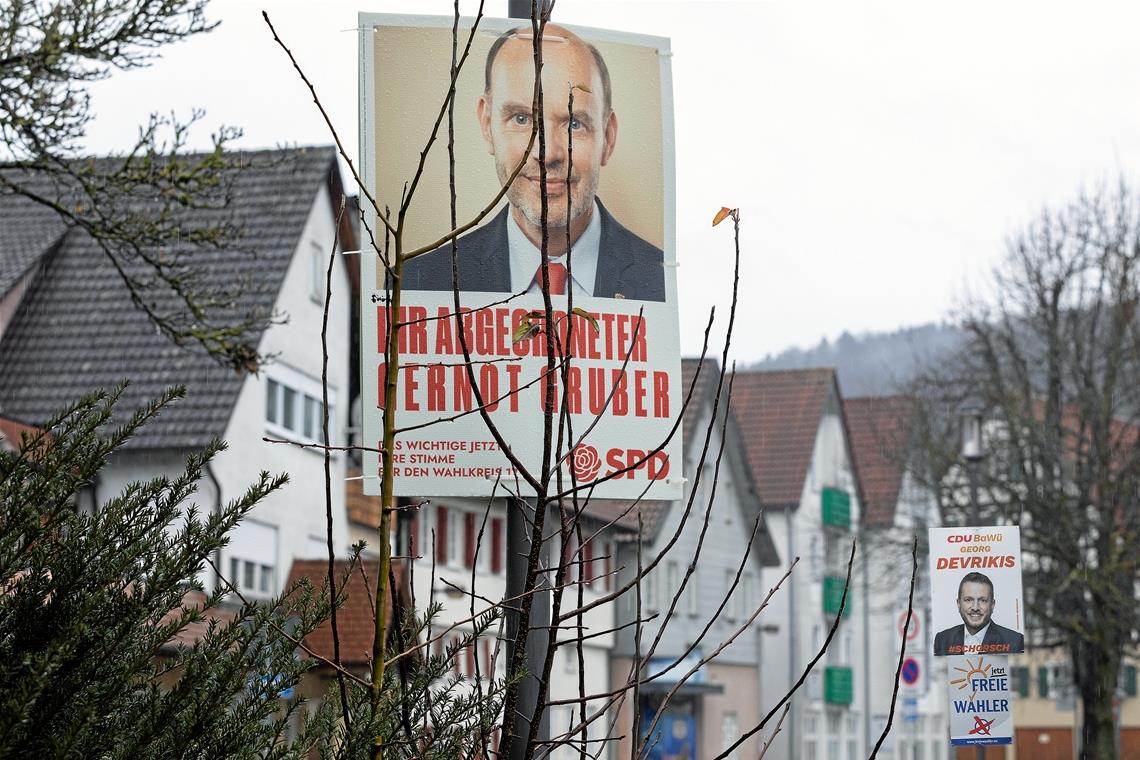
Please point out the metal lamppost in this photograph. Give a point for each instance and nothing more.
(971, 415)
(518, 552)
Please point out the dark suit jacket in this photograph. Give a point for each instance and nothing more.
(999, 640)
(626, 264)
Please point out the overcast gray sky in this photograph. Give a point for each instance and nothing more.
(881, 151)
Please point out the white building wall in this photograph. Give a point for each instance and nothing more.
(297, 513)
(130, 466)
(457, 605)
(921, 727)
(814, 730)
(723, 554)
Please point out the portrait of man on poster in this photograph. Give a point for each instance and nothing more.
(607, 260)
(978, 633)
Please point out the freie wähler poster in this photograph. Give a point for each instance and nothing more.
(981, 700)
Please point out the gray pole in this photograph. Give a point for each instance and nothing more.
(518, 550)
(975, 516)
(521, 8)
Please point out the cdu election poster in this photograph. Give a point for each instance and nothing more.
(975, 591)
(600, 205)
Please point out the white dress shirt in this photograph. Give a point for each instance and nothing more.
(973, 642)
(526, 257)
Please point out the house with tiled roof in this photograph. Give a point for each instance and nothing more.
(356, 618)
(896, 508)
(12, 432)
(718, 526)
(69, 327)
(797, 444)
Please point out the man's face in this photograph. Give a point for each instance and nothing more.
(976, 605)
(505, 117)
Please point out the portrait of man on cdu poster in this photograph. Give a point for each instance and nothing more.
(978, 633)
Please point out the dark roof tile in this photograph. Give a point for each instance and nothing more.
(76, 329)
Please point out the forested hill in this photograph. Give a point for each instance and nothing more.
(873, 363)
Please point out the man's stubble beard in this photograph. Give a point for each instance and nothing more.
(580, 202)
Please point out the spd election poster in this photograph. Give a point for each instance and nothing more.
(603, 212)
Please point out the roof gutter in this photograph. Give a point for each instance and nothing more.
(217, 513)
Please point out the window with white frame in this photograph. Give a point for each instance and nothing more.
(317, 267)
(422, 532)
(450, 523)
(732, 609)
(672, 582)
(293, 407)
(649, 591)
(729, 730)
(588, 569)
(253, 559)
(692, 599)
(748, 594)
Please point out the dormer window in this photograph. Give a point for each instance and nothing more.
(293, 407)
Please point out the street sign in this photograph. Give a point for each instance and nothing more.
(911, 633)
(910, 709)
(911, 671)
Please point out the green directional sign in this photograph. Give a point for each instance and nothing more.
(833, 595)
(836, 508)
(838, 686)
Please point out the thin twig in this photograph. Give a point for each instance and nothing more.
(902, 647)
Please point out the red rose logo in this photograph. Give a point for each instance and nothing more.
(586, 463)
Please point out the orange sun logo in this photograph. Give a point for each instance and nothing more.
(970, 671)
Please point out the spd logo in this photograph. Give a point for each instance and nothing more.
(586, 463)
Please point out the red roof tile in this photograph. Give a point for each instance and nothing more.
(779, 414)
(879, 428)
(356, 619)
(194, 632)
(364, 510)
(10, 432)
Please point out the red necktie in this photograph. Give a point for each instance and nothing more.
(557, 275)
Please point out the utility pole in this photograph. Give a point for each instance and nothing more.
(518, 550)
(973, 451)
